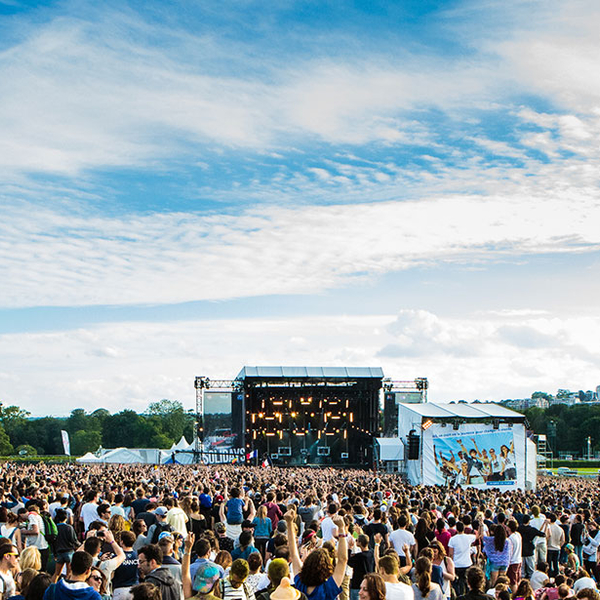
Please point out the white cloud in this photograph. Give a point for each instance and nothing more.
(50, 258)
(149, 361)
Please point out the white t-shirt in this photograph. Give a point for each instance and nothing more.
(538, 523)
(584, 582)
(328, 529)
(399, 538)
(7, 585)
(398, 591)
(517, 543)
(89, 514)
(39, 541)
(461, 544)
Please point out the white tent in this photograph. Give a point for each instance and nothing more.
(87, 458)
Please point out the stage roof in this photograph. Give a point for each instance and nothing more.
(464, 411)
(312, 372)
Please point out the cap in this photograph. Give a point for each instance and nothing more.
(281, 526)
(570, 547)
(165, 534)
(161, 510)
(206, 577)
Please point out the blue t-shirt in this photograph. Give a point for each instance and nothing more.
(234, 511)
(326, 591)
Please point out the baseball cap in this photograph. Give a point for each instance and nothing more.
(206, 577)
(161, 510)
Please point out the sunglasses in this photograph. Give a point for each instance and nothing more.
(12, 554)
(96, 577)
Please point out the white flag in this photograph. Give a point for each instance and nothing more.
(65, 440)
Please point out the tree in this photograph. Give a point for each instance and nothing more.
(6, 448)
(26, 450)
(85, 441)
(172, 418)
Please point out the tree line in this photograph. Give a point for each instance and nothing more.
(567, 427)
(163, 424)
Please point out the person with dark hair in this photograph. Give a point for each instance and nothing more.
(202, 548)
(97, 580)
(424, 588)
(145, 591)
(528, 536)
(498, 550)
(9, 564)
(524, 591)
(150, 560)
(246, 547)
(317, 577)
(374, 527)
(372, 587)
(65, 545)
(361, 563)
(476, 583)
(401, 537)
(126, 575)
(555, 536)
(38, 586)
(9, 527)
(76, 587)
(588, 594)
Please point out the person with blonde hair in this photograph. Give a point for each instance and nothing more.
(31, 558)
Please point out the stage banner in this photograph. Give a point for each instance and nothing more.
(474, 455)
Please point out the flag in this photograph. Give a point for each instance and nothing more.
(265, 463)
(234, 460)
(252, 455)
(65, 440)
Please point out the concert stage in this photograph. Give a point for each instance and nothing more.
(295, 415)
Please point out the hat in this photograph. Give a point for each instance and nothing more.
(570, 547)
(161, 510)
(219, 498)
(220, 527)
(247, 523)
(285, 591)
(282, 527)
(206, 577)
(165, 534)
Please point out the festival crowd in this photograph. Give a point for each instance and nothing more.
(140, 532)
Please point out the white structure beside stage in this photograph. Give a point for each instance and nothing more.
(481, 445)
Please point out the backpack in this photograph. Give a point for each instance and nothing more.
(50, 529)
(160, 527)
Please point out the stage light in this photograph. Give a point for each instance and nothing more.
(293, 415)
(351, 417)
(253, 418)
(261, 415)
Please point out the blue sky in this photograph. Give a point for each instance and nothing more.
(187, 188)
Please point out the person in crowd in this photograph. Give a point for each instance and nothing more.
(440, 559)
(126, 575)
(263, 527)
(317, 577)
(97, 580)
(524, 591)
(424, 588)
(9, 566)
(372, 587)
(77, 586)
(65, 545)
(150, 558)
(475, 578)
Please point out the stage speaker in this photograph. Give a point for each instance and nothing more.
(414, 443)
(390, 415)
(285, 451)
(344, 455)
(323, 451)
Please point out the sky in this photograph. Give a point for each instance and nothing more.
(190, 187)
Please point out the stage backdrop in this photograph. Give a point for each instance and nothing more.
(474, 455)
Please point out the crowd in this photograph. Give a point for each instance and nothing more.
(71, 532)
